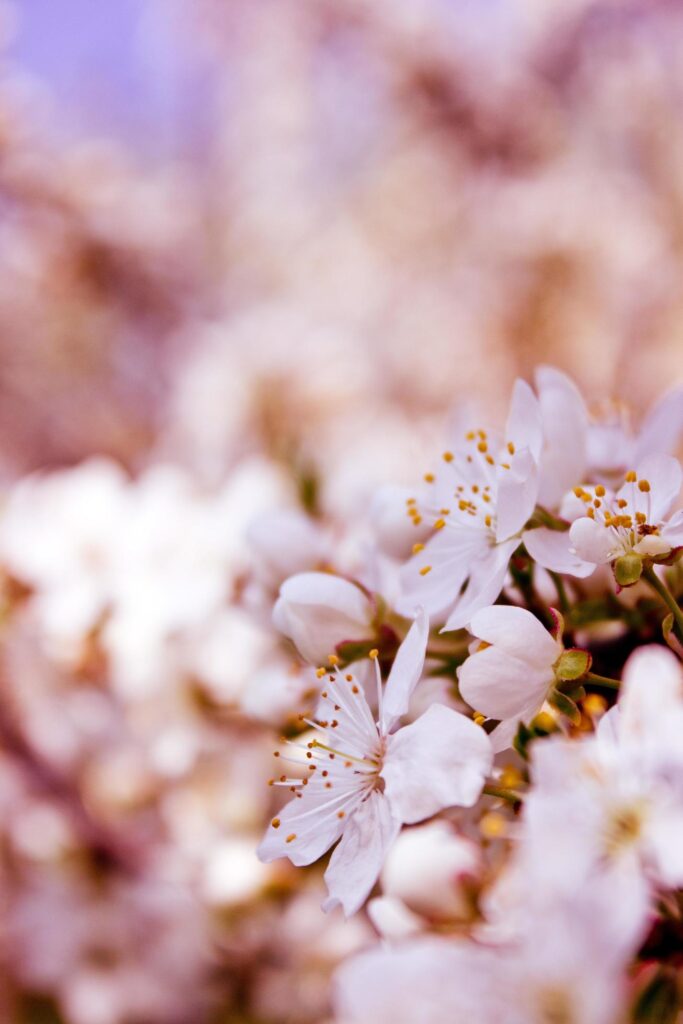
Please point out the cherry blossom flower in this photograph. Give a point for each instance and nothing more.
(612, 805)
(604, 444)
(477, 506)
(366, 780)
(565, 966)
(607, 527)
(515, 667)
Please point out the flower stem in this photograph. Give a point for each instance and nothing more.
(666, 596)
(592, 677)
(561, 593)
(503, 793)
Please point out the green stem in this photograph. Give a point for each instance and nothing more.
(561, 593)
(592, 677)
(666, 596)
(503, 793)
(547, 518)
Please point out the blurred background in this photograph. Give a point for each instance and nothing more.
(252, 256)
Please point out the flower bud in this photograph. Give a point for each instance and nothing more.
(318, 611)
(432, 870)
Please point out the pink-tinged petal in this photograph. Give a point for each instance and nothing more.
(503, 735)
(652, 687)
(441, 760)
(500, 685)
(564, 414)
(406, 671)
(451, 554)
(517, 632)
(312, 820)
(421, 981)
(485, 584)
(663, 426)
(673, 531)
(357, 861)
(592, 541)
(665, 841)
(317, 611)
(553, 550)
(664, 474)
(524, 427)
(517, 494)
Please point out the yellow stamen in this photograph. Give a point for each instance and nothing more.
(425, 569)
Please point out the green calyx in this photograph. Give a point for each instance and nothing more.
(628, 569)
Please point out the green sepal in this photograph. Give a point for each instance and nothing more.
(565, 705)
(670, 637)
(628, 569)
(521, 740)
(573, 664)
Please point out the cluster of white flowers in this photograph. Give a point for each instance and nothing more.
(475, 667)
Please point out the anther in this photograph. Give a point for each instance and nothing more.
(291, 837)
(644, 485)
(429, 478)
(425, 569)
(448, 456)
(373, 653)
(275, 823)
(600, 491)
(417, 548)
(630, 477)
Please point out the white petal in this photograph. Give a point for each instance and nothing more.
(406, 671)
(552, 550)
(664, 475)
(517, 494)
(592, 542)
(392, 918)
(441, 760)
(420, 981)
(318, 611)
(652, 687)
(516, 631)
(564, 415)
(485, 584)
(503, 735)
(662, 428)
(315, 827)
(450, 554)
(673, 531)
(500, 685)
(524, 426)
(357, 861)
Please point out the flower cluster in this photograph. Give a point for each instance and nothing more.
(544, 883)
